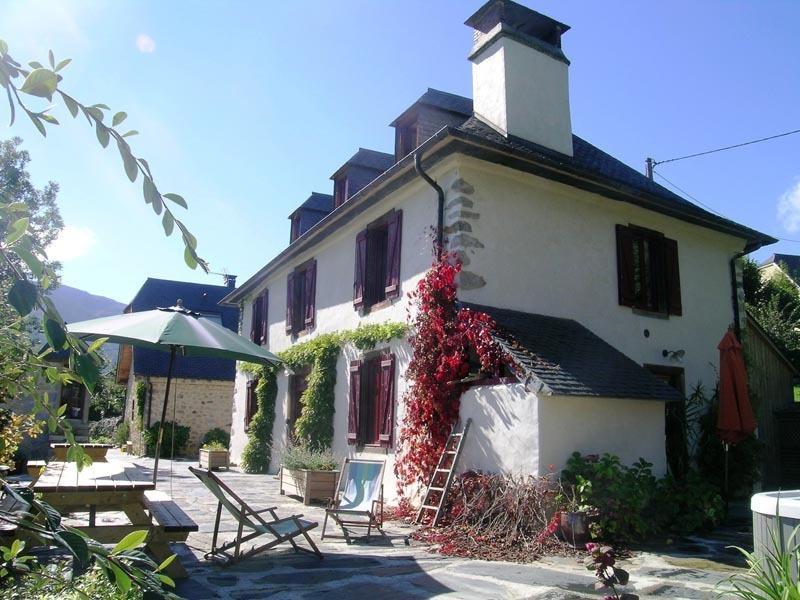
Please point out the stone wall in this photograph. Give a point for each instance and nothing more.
(202, 404)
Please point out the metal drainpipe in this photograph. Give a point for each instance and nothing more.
(737, 326)
(440, 208)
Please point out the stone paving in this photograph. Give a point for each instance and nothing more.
(393, 567)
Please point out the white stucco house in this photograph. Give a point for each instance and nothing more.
(597, 274)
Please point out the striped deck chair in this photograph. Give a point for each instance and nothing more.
(275, 529)
(359, 490)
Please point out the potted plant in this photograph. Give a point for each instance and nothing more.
(573, 519)
(214, 449)
(310, 474)
(213, 455)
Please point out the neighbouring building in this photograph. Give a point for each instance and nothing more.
(611, 292)
(201, 390)
(788, 264)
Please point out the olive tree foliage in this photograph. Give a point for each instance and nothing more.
(28, 275)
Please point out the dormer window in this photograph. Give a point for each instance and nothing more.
(339, 191)
(406, 140)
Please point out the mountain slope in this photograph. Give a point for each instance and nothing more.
(77, 305)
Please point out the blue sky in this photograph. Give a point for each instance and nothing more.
(246, 107)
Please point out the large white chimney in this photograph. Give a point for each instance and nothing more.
(520, 76)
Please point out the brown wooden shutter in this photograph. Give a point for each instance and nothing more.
(386, 400)
(626, 272)
(251, 402)
(311, 294)
(359, 278)
(355, 401)
(395, 228)
(673, 277)
(290, 316)
(255, 320)
(264, 317)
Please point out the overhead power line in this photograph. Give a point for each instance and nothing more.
(652, 163)
(707, 207)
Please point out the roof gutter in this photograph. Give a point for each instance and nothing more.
(440, 207)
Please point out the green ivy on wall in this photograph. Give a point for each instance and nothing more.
(141, 394)
(314, 426)
(258, 450)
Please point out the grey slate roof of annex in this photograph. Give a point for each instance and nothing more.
(566, 359)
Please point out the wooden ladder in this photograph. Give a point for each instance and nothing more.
(451, 452)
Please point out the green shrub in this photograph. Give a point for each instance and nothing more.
(615, 495)
(628, 503)
(257, 452)
(151, 437)
(57, 586)
(121, 434)
(305, 457)
(216, 436)
(214, 445)
(687, 506)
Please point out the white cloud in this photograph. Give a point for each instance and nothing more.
(789, 208)
(71, 243)
(145, 43)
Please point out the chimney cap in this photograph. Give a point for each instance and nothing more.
(515, 17)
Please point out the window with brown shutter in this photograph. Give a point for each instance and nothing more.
(371, 409)
(301, 290)
(251, 402)
(648, 276)
(256, 321)
(264, 318)
(377, 265)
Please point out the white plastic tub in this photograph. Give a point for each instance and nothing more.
(775, 516)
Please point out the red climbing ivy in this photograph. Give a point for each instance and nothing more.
(440, 340)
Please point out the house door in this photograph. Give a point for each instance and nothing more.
(674, 421)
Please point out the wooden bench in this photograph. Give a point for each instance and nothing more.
(174, 525)
(34, 468)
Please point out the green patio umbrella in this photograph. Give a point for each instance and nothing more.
(175, 330)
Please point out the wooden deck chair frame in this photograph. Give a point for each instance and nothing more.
(348, 518)
(253, 520)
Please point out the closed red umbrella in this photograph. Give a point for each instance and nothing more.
(735, 421)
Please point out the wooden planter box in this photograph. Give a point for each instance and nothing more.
(213, 459)
(97, 452)
(309, 485)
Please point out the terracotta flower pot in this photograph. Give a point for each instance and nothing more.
(574, 528)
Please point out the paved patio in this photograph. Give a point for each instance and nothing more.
(394, 567)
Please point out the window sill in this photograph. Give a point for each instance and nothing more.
(372, 449)
(650, 313)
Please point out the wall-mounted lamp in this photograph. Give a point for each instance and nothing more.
(676, 355)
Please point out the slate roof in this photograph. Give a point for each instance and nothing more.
(371, 159)
(200, 297)
(317, 202)
(590, 160)
(562, 357)
(442, 100)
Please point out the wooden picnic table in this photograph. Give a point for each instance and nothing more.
(117, 487)
(96, 451)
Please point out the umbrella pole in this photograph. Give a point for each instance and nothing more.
(163, 413)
